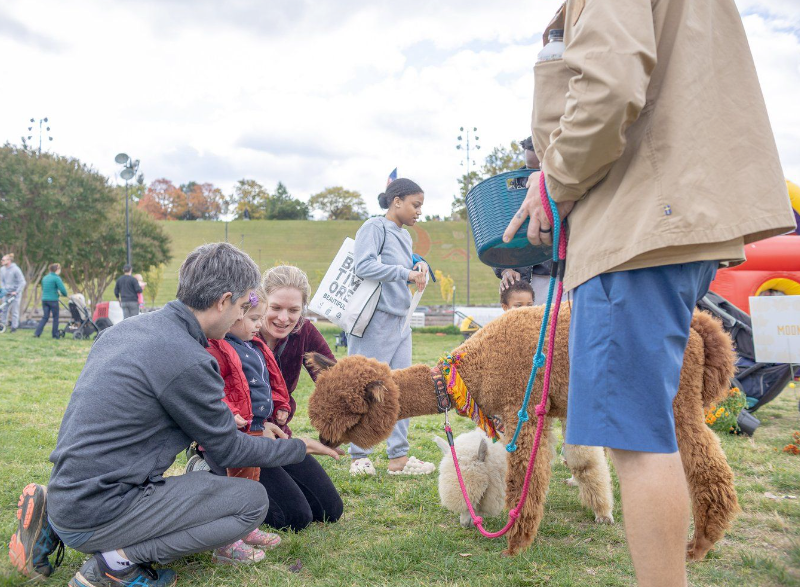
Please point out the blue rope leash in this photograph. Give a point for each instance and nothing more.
(538, 356)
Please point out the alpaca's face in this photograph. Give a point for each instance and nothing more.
(355, 400)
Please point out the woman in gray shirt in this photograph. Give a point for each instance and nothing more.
(383, 253)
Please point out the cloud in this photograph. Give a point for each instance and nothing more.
(308, 92)
(787, 11)
(276, 144)
(192, 165)
(257, 18)
(776, 52)
(18, 32)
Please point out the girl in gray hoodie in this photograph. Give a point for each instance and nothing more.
(383, 253)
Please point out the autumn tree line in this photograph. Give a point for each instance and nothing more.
(250, 200)
(163, 200)
(54, 208)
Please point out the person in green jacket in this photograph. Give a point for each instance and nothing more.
(52, 287)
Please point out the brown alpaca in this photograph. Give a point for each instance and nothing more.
(359, 400)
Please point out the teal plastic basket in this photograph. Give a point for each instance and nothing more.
(490, 206)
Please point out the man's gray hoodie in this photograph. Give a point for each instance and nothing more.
(12, 279)
(148, 388)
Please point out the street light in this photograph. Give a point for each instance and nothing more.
(129, 169)
(465, 146)
(42, 122)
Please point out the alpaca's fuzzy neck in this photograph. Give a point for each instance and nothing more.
(417, 397)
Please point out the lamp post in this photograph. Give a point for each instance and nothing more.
(129, 169)
(465, 146)
(42, 122)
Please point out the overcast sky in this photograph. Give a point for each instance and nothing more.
(307, 92)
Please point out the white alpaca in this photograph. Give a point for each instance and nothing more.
(483, 468)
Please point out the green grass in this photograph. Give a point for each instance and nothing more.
(393, 531)
(312, 246)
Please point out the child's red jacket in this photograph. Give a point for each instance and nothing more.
(237, 390)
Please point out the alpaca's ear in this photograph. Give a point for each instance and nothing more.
(442, 443)
(375, 391)
(318, 363)
(483, 447)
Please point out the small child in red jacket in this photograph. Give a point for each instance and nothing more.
(256, 394)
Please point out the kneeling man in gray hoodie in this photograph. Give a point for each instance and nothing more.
(147, 390)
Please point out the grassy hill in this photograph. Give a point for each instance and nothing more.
(312, 245)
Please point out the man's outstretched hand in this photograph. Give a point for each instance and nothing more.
(315, 447)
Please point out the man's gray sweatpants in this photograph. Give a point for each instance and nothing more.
(188, 513)
(384, 341)
(13, 309)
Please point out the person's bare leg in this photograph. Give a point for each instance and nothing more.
(655, 507)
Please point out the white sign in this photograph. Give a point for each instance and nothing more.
(776, 328)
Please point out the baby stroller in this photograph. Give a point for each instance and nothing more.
(5, 301)
(760, 382)
(341, 340)
(81, 324)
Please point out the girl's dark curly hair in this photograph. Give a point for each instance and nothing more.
(399, 188)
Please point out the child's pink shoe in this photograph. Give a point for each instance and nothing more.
(236, 554)
(265, 540)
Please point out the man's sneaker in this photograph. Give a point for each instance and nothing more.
(35, 540)
(236, 554)
(96, 573)
(197, 463)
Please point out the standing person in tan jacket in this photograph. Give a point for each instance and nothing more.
(654, 138)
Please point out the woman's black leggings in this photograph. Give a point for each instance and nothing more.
(298, 494)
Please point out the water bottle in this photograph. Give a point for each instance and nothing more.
(555, 46)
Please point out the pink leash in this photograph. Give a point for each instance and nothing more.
(540, 409)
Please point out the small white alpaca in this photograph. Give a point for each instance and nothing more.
(483, 468)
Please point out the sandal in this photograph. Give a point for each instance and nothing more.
(265, 540)
(414, 466)
(237, 553)
(362, 466)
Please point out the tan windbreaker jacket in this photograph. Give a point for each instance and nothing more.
(655, 122)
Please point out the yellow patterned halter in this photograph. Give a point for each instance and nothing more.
(462, 399)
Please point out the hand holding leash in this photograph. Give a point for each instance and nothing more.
(539, 230)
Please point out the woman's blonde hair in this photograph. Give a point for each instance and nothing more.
(287, 276)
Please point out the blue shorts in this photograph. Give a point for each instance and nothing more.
(627, 337)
